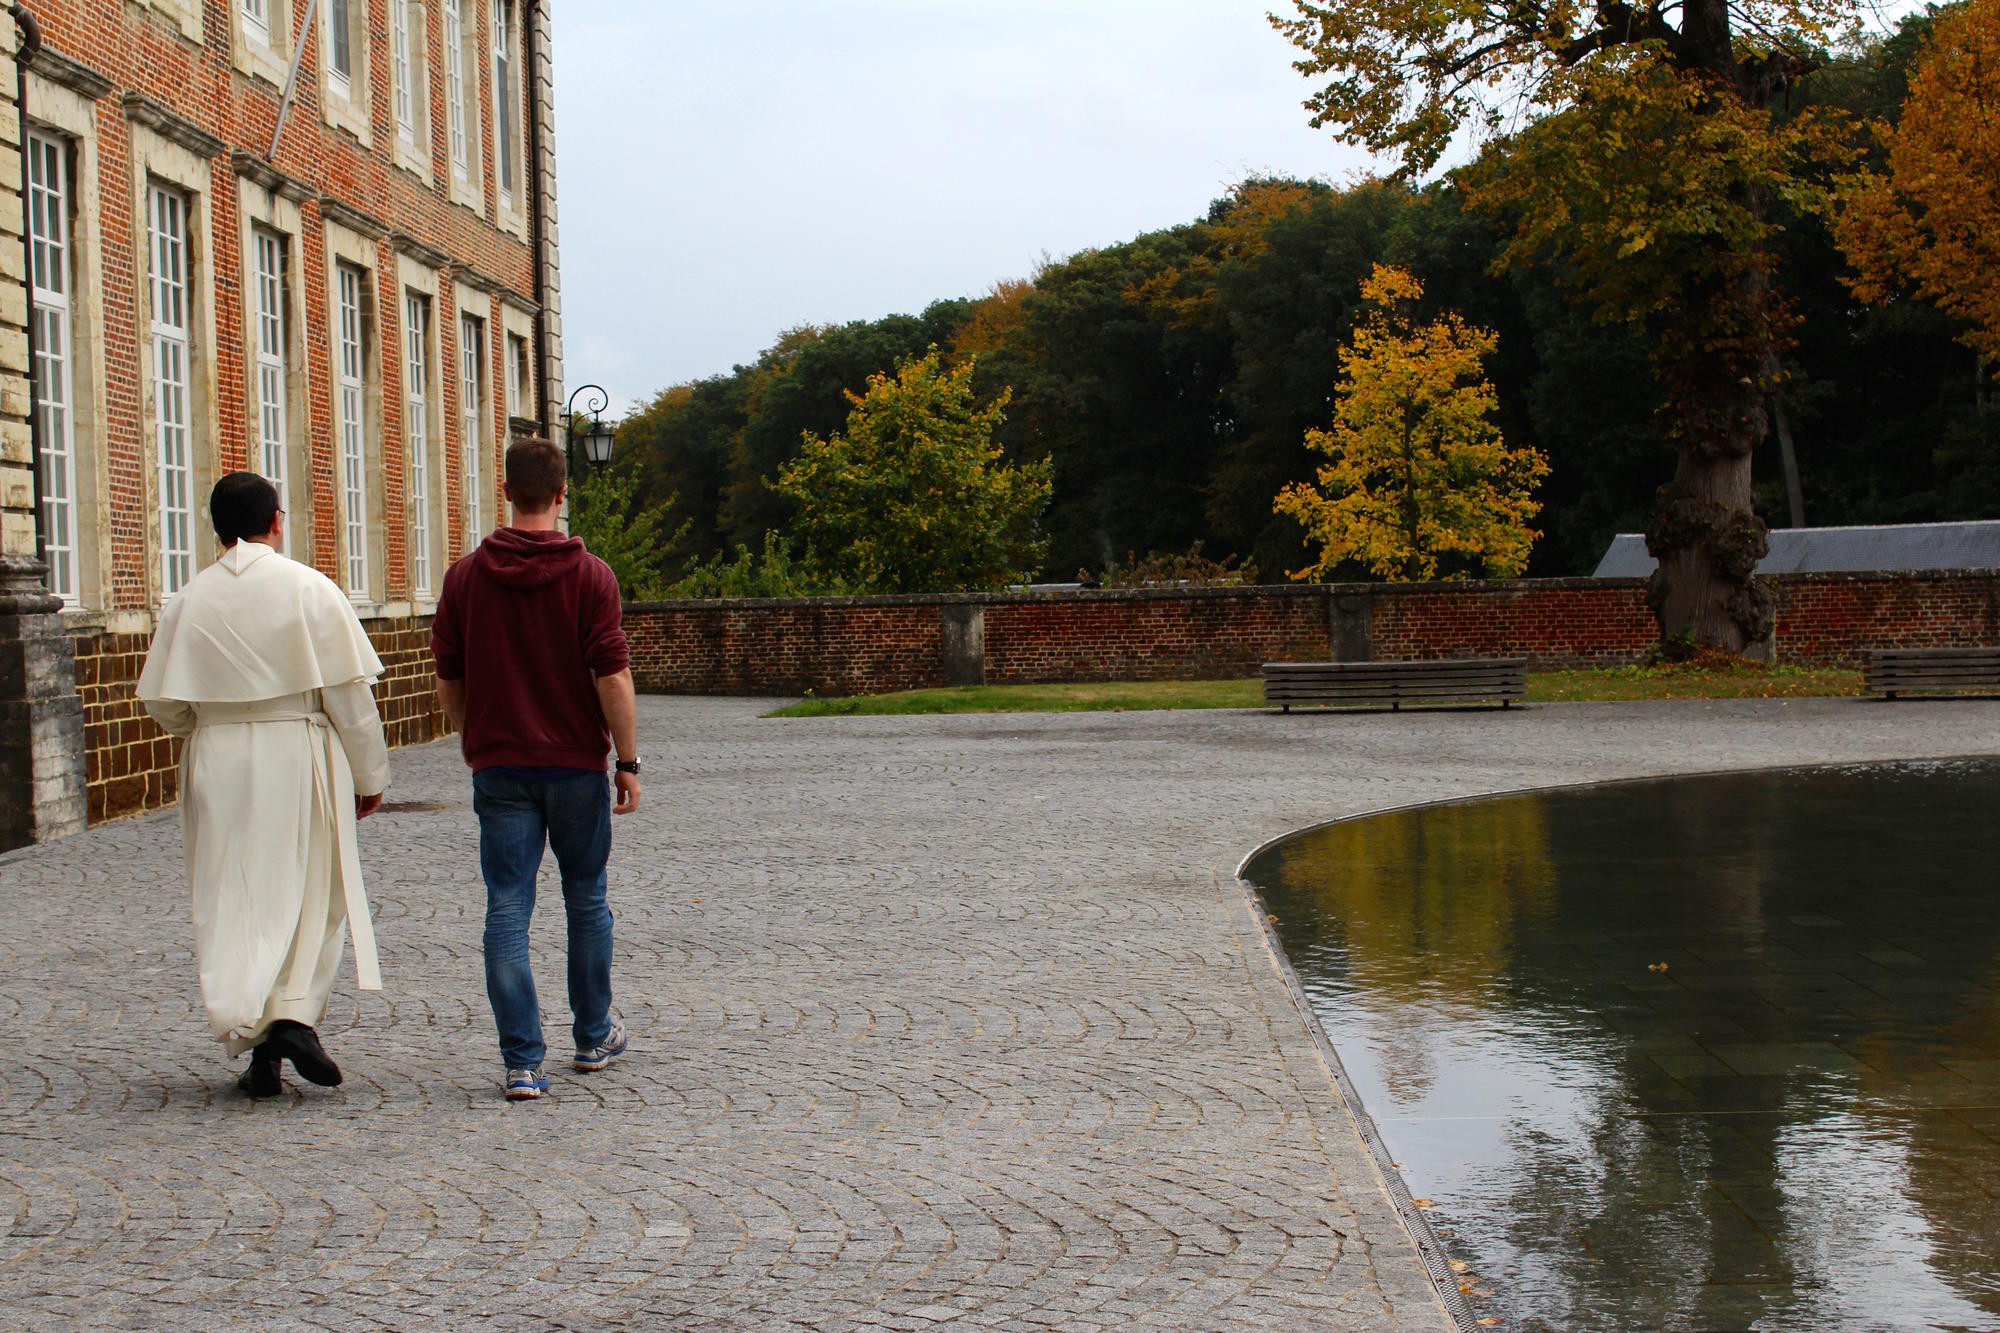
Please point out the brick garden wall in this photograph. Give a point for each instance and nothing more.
(856, 645)
(132, 765)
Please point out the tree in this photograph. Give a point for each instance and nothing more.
(1421, 483)
(1929, 221)
(1648, 163)
(633, 539)
(915, 497)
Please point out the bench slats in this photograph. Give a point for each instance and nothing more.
(1893, 671)
(1453, 679)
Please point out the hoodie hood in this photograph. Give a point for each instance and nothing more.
(518, 559)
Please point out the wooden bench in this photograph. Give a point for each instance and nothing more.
(1484, 680)
(1893, 671)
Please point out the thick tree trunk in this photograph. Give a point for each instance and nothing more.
(1705, 532)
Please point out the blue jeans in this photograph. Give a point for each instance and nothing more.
(516, 815)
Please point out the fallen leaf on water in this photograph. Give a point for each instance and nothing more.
(1489, 1321)
(701, 900)
(1460, 1266)
(1270, 918)
(1656, 967)
(1421, 1203)
(1465, 1288)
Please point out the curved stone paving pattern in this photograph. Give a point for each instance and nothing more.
(936, 1020)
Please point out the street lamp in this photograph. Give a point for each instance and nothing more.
(596, 438)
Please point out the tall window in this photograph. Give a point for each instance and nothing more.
(271, 324)
(166, 211)
(48, 216)
(352, 393)
(472, 416)
(503, 102)
(399, 58)
(517, 363)
(454, 89)
(416, 416)
(257, 19)
(340, 48)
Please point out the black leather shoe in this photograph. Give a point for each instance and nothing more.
(300, 1044)
(264, 1076)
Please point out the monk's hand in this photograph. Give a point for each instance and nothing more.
(628, 793)
(365, 806)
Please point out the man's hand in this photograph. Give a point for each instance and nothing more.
(628, 793)
(365, 806)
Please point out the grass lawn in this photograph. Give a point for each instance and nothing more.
(1611, 683)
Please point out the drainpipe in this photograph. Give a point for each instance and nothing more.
(530, 33)
(31, 42)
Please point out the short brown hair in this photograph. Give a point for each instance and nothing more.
(536, 473)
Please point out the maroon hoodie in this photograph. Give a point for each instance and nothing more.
(527, 621)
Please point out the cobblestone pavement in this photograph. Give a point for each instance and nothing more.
(935, 1020)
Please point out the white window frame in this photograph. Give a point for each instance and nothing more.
(350, 367)
(472, 421)
(54, 281)
(454, 90)
(417, 317)
(271, 260)
(169, 277)
(257, 19)
(402, 60)
(340, 33)
(506, 165)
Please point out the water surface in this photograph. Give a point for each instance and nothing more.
(1705, 1053)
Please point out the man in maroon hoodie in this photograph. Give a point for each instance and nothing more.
(533, 670)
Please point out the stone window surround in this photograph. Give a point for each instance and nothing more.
(473, 302)
(414, 154)
(518, 321)
(260, 57)
(72, 115)
(352, 112)
(344, 245)
(509, 216)
(156, 159)
(471, 191)
(183, 15)
(414, 278)
(277, 209)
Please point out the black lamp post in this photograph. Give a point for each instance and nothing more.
(594, 440)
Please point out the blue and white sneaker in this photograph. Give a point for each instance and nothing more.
(602, 1054)
(524, 1085)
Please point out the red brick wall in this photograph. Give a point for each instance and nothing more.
(132, 765)
(1556, 623)
(1151, 638)
(1830, 619)
(861, 645)
(839, 646)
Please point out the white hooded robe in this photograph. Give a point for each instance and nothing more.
(261, 665)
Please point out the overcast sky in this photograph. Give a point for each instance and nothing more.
(733, 168)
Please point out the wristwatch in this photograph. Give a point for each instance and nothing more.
(629, 766)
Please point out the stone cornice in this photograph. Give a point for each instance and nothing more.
(352, 218)
(74, 75)
(171, 125)
(256, 170)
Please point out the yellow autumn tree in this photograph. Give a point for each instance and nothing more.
(1420, 484)
(1929, 221)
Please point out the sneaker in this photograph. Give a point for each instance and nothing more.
(524, 1085)
(602, 1054)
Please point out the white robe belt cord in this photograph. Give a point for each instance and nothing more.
(361, 927)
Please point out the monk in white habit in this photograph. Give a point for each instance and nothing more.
(262, 667)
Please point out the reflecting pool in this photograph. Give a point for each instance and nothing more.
(1705, 1053)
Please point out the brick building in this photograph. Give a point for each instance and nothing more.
(314, 238)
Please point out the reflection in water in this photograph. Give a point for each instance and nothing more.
(1795, 1124)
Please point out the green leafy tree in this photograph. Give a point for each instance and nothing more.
(915, 496)
(1420, 485)
(1651, 164)
(631, 538)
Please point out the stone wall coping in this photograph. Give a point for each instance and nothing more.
(1227, 591)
